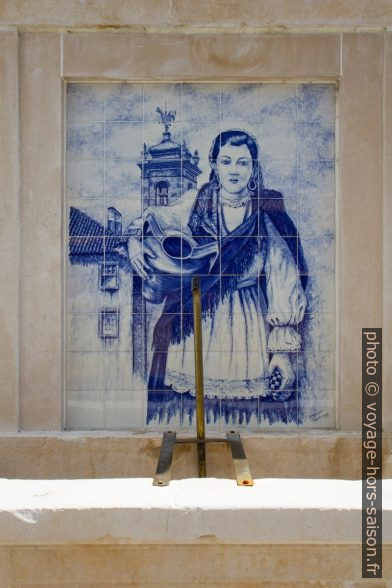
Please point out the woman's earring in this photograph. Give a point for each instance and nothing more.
(215, 183)
(250, 187)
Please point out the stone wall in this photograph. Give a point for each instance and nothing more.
(32, 299)
(45, 43)
(283, 14)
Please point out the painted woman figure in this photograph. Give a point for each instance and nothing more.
(253, 295)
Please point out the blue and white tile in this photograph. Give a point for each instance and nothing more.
(124, 341)
(279, 415)
(320, 292)
(199, 136)
(316, 178)
(316, 217)
(183, 363)
(129, 206)
(124, 102)
(282, 252)
(85, 370)
(285, 318)
(136, 325)
(201, 102)
(152, 313)
(278, 204)
(82, 247)
(278, 141)
(94, 208)
(241, 415)
(236, 269)
(291, 206)
(281, 176)
(320, 371)
(239, 102)
(165, 412)
(187, 203)
(83, 294)
(85, 178)
(121, 298)
(320, 332)
(124, 409)
(82, 333)
(78, 278)
(163, 96)
(317, 409)
(85, 141)
(122, 179)
(170, 329)
(277, 102)
(205, 167)
(153, 133)
(124, 140)
(187, 308)
(316, 102)
(188, 199)
(118, 371)
(85, 102)
(316, 141)
(112, 343)
(212, 412)
(85, 409)
(319, 254)
(242, 366)
(251, 127)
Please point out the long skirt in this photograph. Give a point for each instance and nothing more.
(235, 356)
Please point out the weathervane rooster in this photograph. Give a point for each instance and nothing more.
(167, 118)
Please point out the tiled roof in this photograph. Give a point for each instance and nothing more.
(88, 237)
(81, 225)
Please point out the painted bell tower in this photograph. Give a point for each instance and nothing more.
(168, 169)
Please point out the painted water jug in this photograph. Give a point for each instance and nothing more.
(177, 258)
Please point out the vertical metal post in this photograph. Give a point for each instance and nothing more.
(200, 420)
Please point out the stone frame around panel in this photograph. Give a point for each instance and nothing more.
(129, 56)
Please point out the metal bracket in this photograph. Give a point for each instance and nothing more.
(162, 474)
(233, 438)
(242, 470)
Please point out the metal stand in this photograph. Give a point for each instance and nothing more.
(163, 471)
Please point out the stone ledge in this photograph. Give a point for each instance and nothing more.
(132, 511)
(114, 454)
(177, 13)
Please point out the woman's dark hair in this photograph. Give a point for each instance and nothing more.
(236, 137)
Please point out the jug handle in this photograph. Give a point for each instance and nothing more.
(203, 250)
(154, 226)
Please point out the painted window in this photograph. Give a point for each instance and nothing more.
(108, 276)
(109, 323)
(162, 193)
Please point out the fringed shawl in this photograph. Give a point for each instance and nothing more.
(236, 257)
(204, 220)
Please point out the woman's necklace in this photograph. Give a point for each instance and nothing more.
(231, 217)
(235, 203)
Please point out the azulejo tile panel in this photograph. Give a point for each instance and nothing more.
(234, 183)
